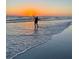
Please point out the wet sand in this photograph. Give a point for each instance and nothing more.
(59, 47)
(22, 37)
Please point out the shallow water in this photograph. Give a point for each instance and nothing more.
(21, 36)
(59, 47)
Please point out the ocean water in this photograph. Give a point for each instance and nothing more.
(21, 35)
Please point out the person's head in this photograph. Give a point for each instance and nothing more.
(35, 16)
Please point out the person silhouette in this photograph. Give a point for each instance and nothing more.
(36, 22)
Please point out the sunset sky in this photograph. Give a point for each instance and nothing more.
(39, 7)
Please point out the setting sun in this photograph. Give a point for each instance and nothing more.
(31, 12)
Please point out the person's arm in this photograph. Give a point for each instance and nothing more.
(33, 18)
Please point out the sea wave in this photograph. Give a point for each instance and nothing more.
(15, 19)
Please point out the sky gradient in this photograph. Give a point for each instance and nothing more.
(39, 7)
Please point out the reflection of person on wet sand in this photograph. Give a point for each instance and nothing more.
(36, 22)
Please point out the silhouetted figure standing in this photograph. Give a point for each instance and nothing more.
(36, 22)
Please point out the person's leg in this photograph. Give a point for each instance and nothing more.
(35, 26)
